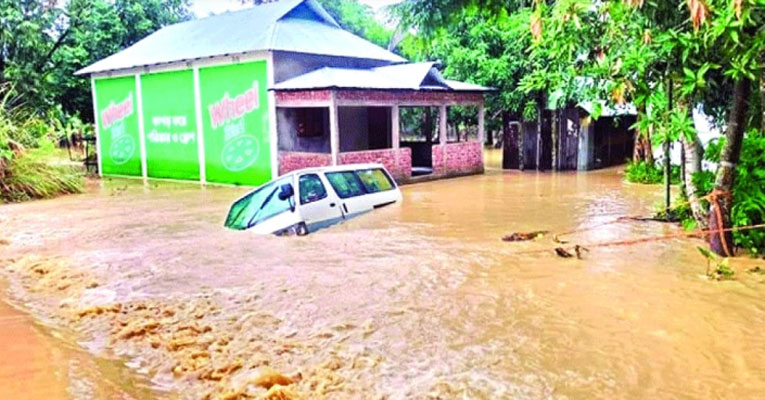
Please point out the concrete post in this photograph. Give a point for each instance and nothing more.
(395, 135)
(141, 133)
(442, 124)
(481, 124)
(334, 130)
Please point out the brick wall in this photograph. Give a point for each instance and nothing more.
(400, 167)
(291, 161)
(459, 159)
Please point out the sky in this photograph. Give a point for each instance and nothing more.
(203, 8)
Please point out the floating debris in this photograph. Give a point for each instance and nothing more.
(524, 236)
(757, 270)
(578, 251)
(269, 378)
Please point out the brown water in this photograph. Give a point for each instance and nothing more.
(39, 362)
(418, 300)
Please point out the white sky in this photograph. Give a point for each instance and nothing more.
(203, 8)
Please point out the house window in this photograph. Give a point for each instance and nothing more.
(310, 121)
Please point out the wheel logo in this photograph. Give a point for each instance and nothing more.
(122, 149)
(240, 153)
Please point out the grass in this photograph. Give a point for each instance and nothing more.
(29, 176)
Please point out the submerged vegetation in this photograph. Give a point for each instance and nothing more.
(27, 150)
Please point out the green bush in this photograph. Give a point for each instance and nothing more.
(748, 189)
(29, 175)
(642, 172)
(26, 151)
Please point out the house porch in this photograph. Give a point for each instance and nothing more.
(335, 127)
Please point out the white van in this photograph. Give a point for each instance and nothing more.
(324, 196)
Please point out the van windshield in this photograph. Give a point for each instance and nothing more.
(258, 206)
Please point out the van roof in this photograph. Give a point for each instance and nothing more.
(335, 168)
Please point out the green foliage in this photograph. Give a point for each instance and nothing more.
(42, 44)
(359, 19)
(30, 175)
(721, 270)
(25, 153)
(748, 191)
(645, 173)
(491, 50)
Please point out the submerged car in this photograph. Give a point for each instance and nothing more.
(307, 200)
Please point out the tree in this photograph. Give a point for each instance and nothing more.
(666, 57)
(42, 43)
(353, 16)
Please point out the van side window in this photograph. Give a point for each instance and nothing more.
(346, 184)
(375, 180)
(311, 189)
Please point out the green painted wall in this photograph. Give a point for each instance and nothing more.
(170, 128)
(236, 123)
(118, 126)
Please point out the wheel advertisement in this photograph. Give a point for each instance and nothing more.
(170, 128)
(236, 127)
(118, 126)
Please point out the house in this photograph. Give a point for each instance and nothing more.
(242, 97)
(584, 143)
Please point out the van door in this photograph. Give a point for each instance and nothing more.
(351, 192)
(319, 207)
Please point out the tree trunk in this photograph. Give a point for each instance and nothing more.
(694, 153)
(762, 93)
(555, 135)
(648, 146)
(722, 201)
(668, 161)
(642, 150)
(428, 125)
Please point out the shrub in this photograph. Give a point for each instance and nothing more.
(25, 153)
(642, 172)
(29, 175)
(748, 189)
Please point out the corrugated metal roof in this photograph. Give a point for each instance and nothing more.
(301, 26)
(413, 76)
(313, 37)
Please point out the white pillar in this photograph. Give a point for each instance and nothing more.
(96, 118)
(395, 135)
(334, 130)
(141, 135)
(481, 124)
(200, 129)
(273, 133)
(442, 125)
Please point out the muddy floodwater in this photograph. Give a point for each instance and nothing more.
(420, 300)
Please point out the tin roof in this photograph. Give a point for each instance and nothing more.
(301, 26)
(412, 76)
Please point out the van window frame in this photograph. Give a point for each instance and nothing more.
(385, 174)
(300, 189)
(342, 172)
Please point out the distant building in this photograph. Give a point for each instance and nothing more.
(243, 97)
(583, 142)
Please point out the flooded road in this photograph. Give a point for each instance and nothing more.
(417, 301)
(38, 362)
